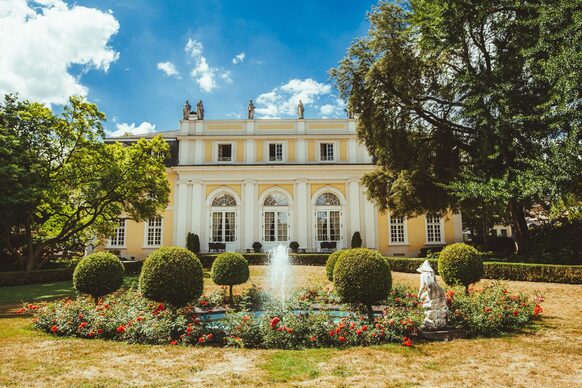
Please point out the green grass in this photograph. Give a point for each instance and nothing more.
(44, 291)
(292, 365)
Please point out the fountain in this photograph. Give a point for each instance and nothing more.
(279, 272)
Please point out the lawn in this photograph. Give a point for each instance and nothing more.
(549, 354)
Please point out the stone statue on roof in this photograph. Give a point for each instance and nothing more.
(251, 110)
(200, 110)
(300, 110)
(186, 111)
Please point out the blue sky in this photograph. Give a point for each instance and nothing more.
(136, 59)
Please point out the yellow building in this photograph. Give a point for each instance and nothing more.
(235, 182)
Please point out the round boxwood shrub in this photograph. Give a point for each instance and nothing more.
(98, 274)
(229, 269)
(172, 275)
(362, 276)
(460, 264)
(330, 263)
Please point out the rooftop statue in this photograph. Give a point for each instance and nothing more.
(200, 110)
(433, 298)
(186, 111)
(300, 110)
(251, 110)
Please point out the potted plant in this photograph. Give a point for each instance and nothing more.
(257, 247)
(294, 246)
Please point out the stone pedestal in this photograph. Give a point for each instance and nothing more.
(444, 334)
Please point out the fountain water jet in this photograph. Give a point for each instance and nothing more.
(280, 272)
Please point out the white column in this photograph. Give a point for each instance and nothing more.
(301, 151)
(198, 209)
(352, 151)
(370, 222)
(198, 152)
(302, 217)
(250, 157)
(457, 220)
(249, 223)
(183, 152)
(181, 214)
(354, 206)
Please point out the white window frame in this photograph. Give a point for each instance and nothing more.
(283, 151)
(335, 151)
(223, 210)
(441, 227)
(122, 246)
(146, 231)
(405, 225)
(232, 148)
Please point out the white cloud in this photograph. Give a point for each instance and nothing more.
(131, 129)
(204, 74)
(169, 69)
(238, 58)
(41, 41)
(283, 100)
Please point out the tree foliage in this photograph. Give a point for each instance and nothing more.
(472, 104)
(62, 185)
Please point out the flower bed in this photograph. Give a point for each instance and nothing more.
(127, 316)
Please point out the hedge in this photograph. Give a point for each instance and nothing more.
(551, 273)
(263, 258)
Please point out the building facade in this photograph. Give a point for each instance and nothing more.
(236, 182)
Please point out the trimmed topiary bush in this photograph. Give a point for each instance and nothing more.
(257, 246)
(294, 246)
(229, 269)
(356, 240)
(172, 275)
(98, 274)
(330, 263)
(460, 265)
(193, 243)
(362, 276)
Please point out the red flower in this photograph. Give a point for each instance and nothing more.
(289, 330)
(81, 316)
(83, 324)
(537, 310)
(373, 334)
(391, 322)
(99, 331)
(121, 329)
(54, 329)
(174, 342)
(406, 341)
(365, 327)
(312, 338)
(352, 326)
(280, 328)
(331, 333)
(359, 331)
(160, 307)
(397, 300)
(245, 318)
(487, 309)
(210, 337)
(201, 339)
(91, 334)
(138, 319)
(515, 312)
(21, 310)
(342, 338)
(378, 326)
(275, 321)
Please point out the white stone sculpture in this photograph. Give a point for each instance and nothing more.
(433, 298)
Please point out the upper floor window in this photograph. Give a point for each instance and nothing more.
(225, 152)
(326, 152)
(434, 228)
(154, 232)
(118, 237)
(276, 152)
(397, 230)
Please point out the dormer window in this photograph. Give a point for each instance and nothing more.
(225, 152)
(276, 152)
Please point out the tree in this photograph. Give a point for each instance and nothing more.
(62, 184)
(464, 102)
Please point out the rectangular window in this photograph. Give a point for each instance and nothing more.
(326, 153)
(282, 226)
(118, 238)
(269, 226)
(223, 226)
(397, 231)
(154, 232)
(328, 225)
(225, 152)
(217, 226)
(229, 227)
(433, 229)
(276, 152)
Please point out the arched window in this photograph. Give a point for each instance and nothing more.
(223, 219)
(328, 215)
(224, 200)
(276, 218)
(327, 199)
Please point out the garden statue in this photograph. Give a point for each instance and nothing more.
(300, 110)
(251, 110)
(186, 111)
(200, 110)
(433, 298)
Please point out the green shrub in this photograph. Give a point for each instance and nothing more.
(356, 240)
(362, 276)
(501, 246)
(330, 264)
(193, 243)
(98, 274)
(294, 246)
(257, 246)
(460, 265)
(229, 269)
(172, 275)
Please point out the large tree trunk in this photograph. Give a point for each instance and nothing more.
(30, 256)
(520, 229)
